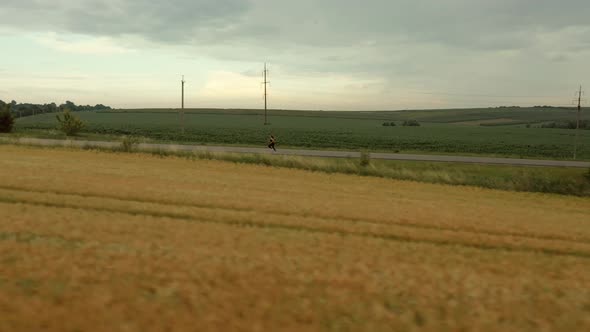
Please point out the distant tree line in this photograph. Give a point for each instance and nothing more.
(539, 106)
(584, 124)
(20, 110)
(407, 123)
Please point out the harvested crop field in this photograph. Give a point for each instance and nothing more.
(96, 241)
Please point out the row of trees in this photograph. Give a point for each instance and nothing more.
(407, 123)
(19, 110)
(68, 123)
(584, 124)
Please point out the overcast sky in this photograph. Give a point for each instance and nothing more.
(322, 54)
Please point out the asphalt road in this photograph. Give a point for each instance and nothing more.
(310, 153)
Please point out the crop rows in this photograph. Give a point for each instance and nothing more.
(331, 133)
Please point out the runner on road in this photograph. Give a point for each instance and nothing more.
(271, 144)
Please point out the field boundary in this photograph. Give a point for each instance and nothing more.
(147, 147)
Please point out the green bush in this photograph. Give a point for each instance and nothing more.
(6, 119)
(392, 124)
(385, 124)
(129, 143)
(411, 123)
(69, 124)
(365, 159)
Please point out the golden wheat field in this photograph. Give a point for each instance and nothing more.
(97, 241)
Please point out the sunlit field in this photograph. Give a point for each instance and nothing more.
(99, 241)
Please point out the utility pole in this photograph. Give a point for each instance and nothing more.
(578, 121)
(265, 93)
(182, 107)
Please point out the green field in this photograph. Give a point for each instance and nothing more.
(493, 131)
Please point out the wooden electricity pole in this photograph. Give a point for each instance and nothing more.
(578, 121)
(266, 82)
(182, 107)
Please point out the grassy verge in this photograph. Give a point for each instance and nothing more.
(513, 178)
(565, 181)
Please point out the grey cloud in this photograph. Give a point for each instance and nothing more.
(480, 24)
(157, 20)
(333, 58)
(499, 24)
(422, 43)
(252, 72)
(558, 58)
